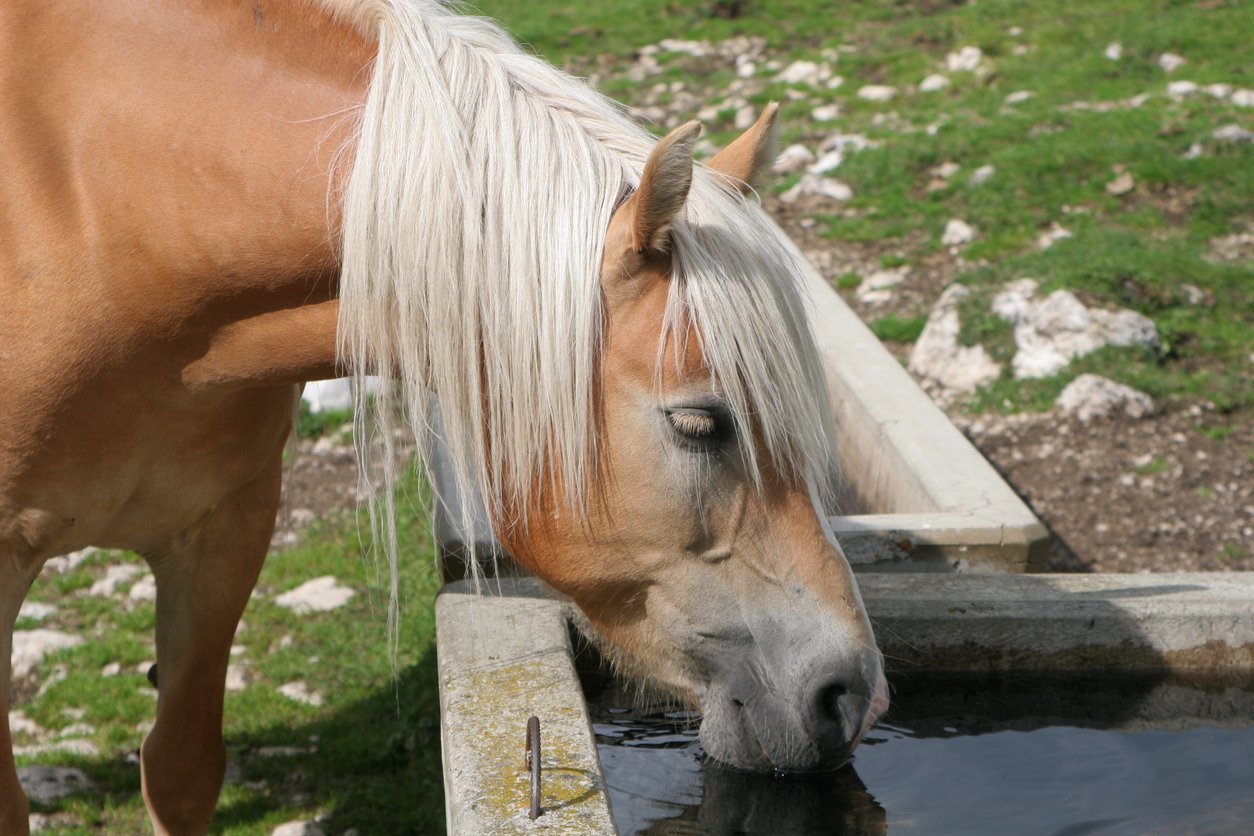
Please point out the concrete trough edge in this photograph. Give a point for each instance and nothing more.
(506, 654)
(1188, 621)
(503, 656)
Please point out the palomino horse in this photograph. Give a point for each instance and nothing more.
(200, 195)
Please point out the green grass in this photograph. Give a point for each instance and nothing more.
(894, 328)
(374, 745)
(1052, 161)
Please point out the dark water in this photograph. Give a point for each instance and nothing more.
(965, 755)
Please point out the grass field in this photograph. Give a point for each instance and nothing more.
(1053, 159)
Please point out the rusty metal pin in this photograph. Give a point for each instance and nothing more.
(532, 763)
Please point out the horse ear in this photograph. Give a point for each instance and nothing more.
(663, 189)
(747, 158)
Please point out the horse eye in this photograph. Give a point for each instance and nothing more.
(695, 424)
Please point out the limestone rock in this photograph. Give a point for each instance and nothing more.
(877, 287)
(1051, 332)
(1170, 62)
(35, 611)
(31, 646)
(792, 159)
(46, 784)
(933, 83)
(298, 828)
(957, 233)
(877, 92)
(1090, 396)
(114, 577)
(937, 354)
(965, 60)
(981, 175)
(318, 595)
(298, 691)
(1114, 51)
(813, 184)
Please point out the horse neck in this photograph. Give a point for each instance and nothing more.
(182, 162)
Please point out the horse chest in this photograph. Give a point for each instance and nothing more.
(121, 455)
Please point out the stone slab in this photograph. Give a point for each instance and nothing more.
(1196, 621)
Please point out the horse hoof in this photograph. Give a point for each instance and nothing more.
(152, 674)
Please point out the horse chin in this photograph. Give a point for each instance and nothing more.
(753, 738)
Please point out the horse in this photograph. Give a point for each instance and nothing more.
(208, 203)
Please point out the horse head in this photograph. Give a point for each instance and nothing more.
(700, 560)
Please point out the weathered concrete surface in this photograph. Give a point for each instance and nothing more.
(907, 465)
(1174, 621)
(504, 656)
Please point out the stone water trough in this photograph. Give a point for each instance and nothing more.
(945, 553)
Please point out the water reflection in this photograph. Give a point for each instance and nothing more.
(979, 755)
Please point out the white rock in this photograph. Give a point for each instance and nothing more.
(1194, 151)
(1218, 91)
(835, 82)
(1170, 62)
(1180, 89)
(830, 161)
(946, 170)
(877, 92)
(111, 669)
(1052, 236)
(747, 69)
(46, 784)
(847, 143)
(981, 175)
(298, 828)
(696, 49)
(318, 595)
(825, 113)
(236, 678)
(933, 83)
(1015, 31)
(1114, 51)
(35, 610)
(1232, 133)
(938, 356)
(800, 72)
(1018, 96)
(964, 60)
(877, 287)
(31, 646)
(1090, 396)
(19, 723)
(114, 577)
(745, 117)
(298, 691)
(68, 562)
(957, 233)
(144, 589)
(1193, 294)
(1121, 185)
(1243, 98)
(1050, 333)
(74, 746)
(792, 159)
(813, 184)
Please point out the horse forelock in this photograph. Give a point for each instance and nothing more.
(474, 222)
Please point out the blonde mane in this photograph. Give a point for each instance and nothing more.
(474, 220)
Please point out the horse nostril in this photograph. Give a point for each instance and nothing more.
(827, 703)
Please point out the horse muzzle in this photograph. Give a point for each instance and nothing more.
(814, 726)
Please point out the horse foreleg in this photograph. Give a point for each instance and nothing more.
(203, 585)
(15, 580)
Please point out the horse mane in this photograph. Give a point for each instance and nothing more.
(474, 220)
